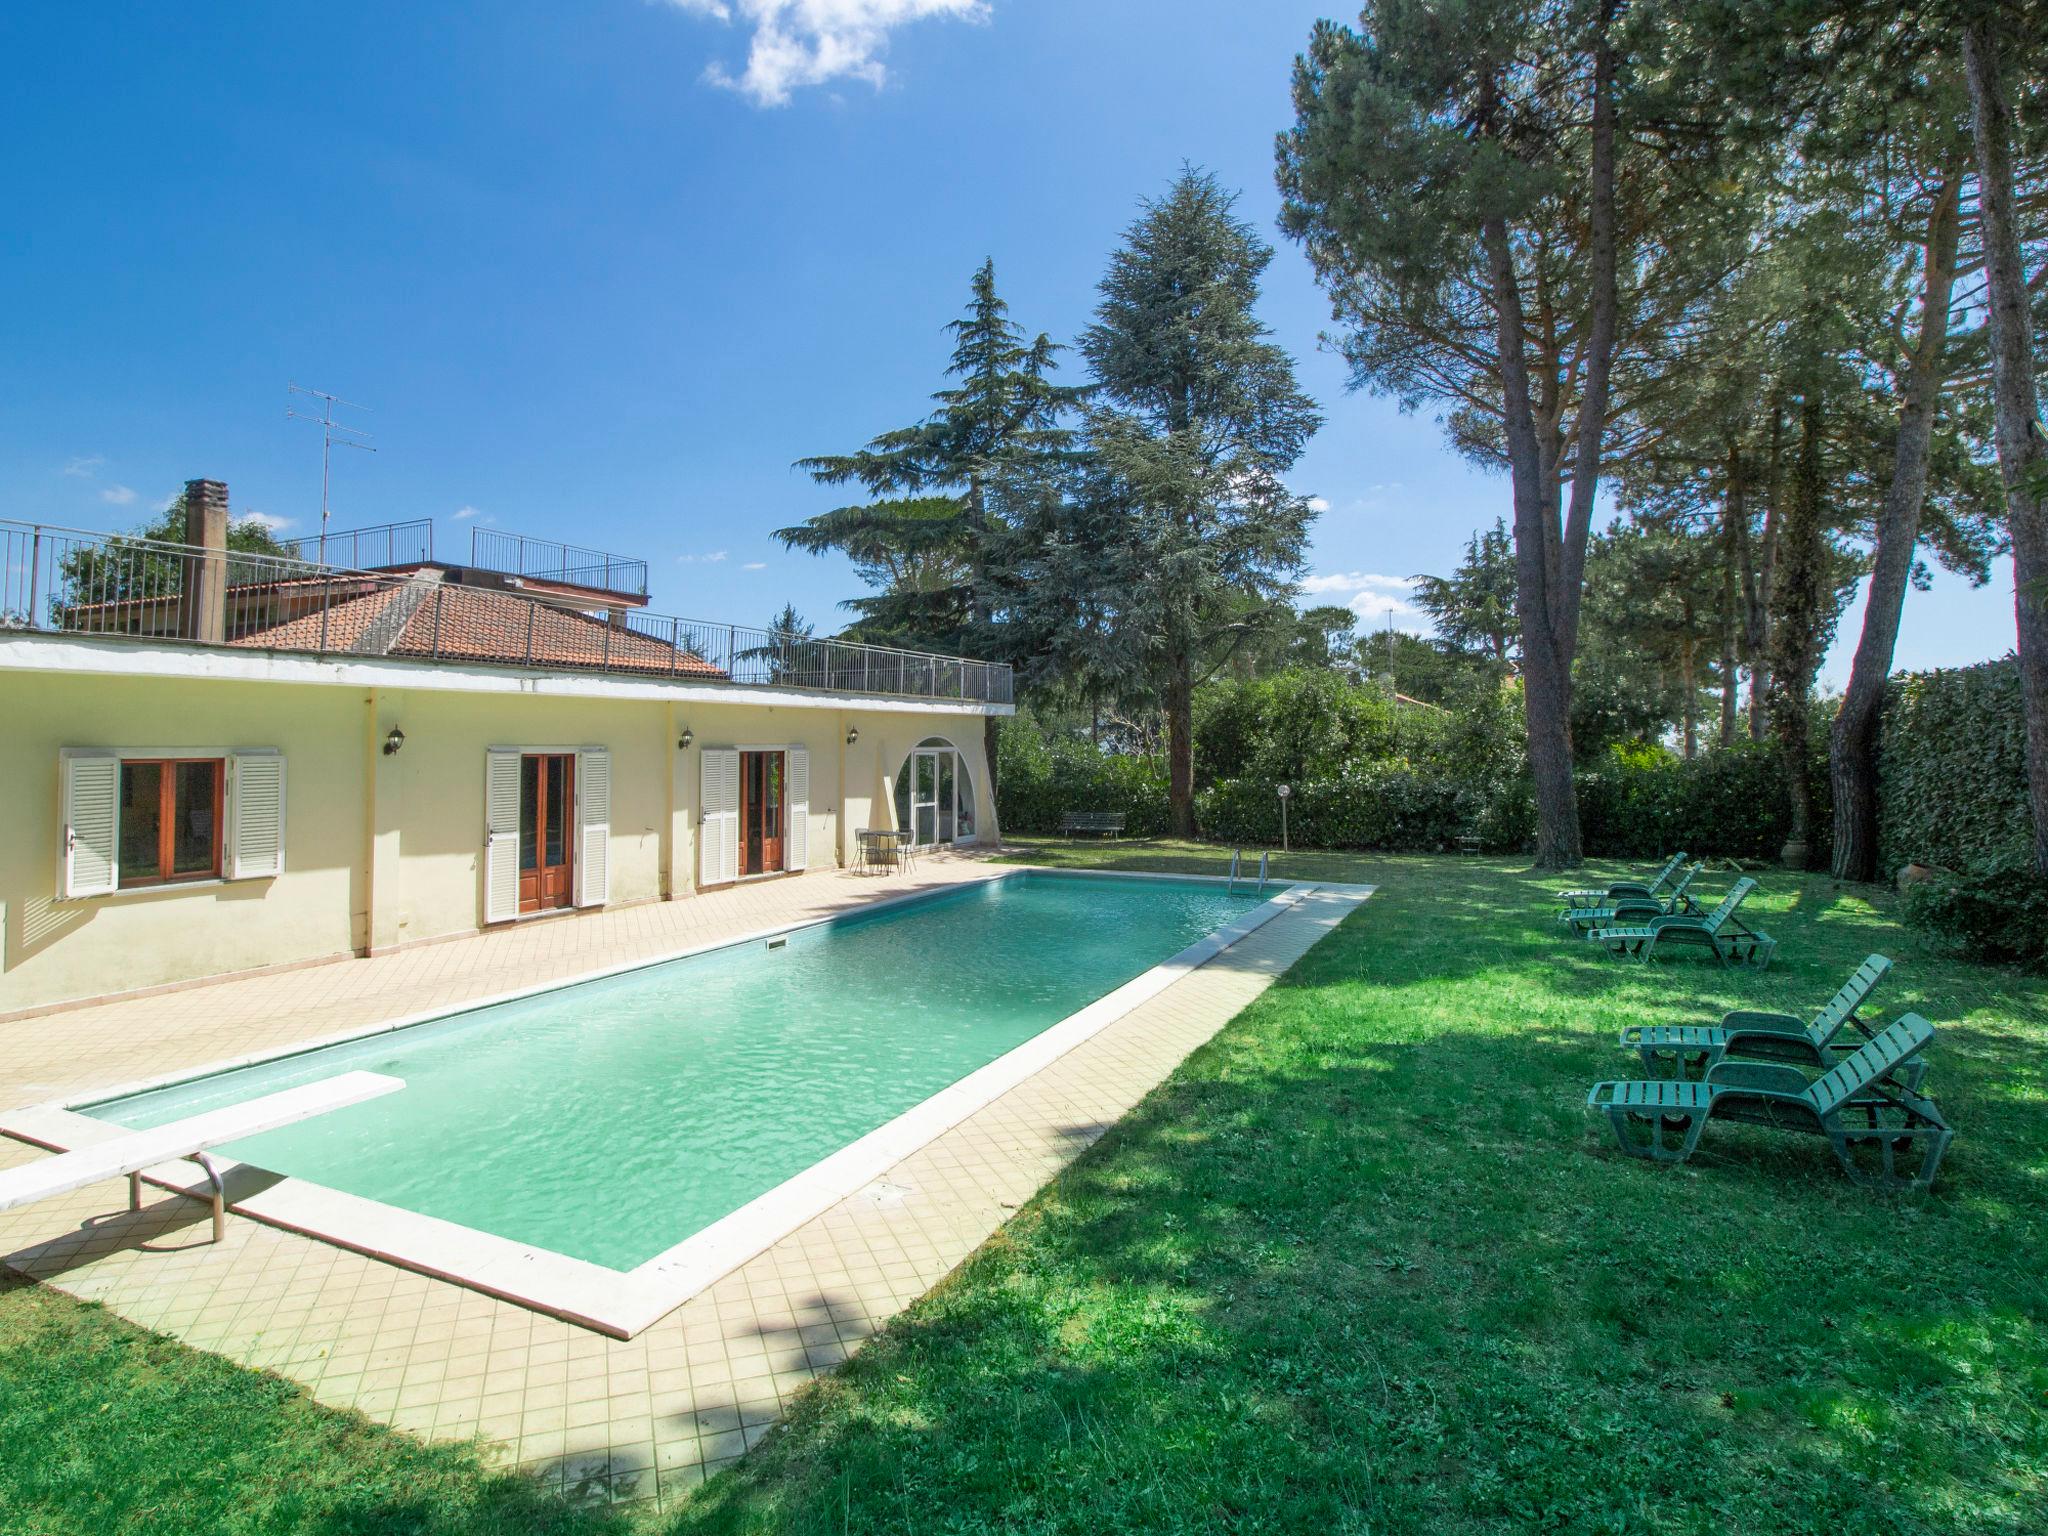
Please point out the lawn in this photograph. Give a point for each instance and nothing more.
(1363, 1264)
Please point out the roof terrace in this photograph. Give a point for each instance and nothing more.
(73, 581)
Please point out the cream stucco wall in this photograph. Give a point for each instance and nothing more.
(385, 850)
(64, 949)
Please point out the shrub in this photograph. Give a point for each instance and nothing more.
(1997, 912)
(1393, 806)
(1728, 803)
(1952, 769)
(1040, 779)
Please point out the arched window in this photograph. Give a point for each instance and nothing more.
(934, 795)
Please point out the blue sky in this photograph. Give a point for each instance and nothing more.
(603, 269)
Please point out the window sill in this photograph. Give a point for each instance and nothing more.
(168, 888)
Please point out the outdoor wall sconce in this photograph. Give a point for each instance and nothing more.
(393, 742)
(683, 741)
(852, 734)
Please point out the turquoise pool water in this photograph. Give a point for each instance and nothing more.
(612, 1119)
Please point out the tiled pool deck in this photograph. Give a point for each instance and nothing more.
(605, 1417)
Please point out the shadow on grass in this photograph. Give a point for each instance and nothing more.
(105, 1427)
(1365, 1263)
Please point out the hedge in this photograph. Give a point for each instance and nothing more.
(1952, 786)
(1038, 780)
(1952, 769)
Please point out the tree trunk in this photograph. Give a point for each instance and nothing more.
(1731, 556)
(1795, 627)
(1180, 747)
(2022, 457)
(1765, 568)
(1546, 683)
(1689, 695)
(1852, 744)
(1591, 426)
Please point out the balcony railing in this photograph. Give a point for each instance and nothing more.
(70, 581)
(368, 549)
(545, 560)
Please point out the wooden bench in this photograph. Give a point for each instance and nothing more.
(1103, 823)
(188, 1139)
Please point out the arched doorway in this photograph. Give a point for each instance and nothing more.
(935, 795)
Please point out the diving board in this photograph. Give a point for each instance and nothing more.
(189, 1138)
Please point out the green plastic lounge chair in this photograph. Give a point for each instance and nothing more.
(1865, 1119)
(1624, 910)
(1670, 1050)
(1621, 888)
(1720, 930)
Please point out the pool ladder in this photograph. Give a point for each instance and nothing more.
(1237, 860)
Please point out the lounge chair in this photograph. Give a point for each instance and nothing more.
(1852, 1105)
(1670, 1050)
(1720, 930)
(1623, 910)
(1621, 888)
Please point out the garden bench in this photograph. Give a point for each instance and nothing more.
(188, 1139)
(1103, 823)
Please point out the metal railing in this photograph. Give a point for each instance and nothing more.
(546, 560)
(368, 549)
(72, 581)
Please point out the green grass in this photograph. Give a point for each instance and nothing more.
(1363, 1265)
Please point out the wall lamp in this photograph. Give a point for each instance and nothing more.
(393, 742)
(852, 734)
(683, 741)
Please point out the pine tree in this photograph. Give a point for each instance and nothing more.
(1473, 608)
(925, 536)
(1505, 202)
(1194, 539)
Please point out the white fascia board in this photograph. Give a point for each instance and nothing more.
(95, 656)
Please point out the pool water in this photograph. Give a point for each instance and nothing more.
(611, 1119)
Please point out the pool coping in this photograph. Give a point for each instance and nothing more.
(624, 1303)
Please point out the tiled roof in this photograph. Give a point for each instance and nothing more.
(451, 622)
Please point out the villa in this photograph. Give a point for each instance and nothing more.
(222, 763)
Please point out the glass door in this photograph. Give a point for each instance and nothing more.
(949, 816)
(924, 798)
(547, 798)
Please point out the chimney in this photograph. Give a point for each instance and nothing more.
(202, 599)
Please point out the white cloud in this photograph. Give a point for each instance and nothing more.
(117, 495)
(1319, 504)
(268, 521)
(711, 559)
(796, 43)
(1373, 598)
(755, 565)
(463, 514)
(84, 468)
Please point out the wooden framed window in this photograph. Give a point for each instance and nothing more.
(172, 811)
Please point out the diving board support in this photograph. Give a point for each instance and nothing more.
(188, 1140)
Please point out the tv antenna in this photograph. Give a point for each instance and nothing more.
(352, 437)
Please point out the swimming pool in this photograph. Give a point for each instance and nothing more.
(612, 1120)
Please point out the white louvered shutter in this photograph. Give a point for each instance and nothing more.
(255, 815)
(718, 829)
(593, 827)
(89, 856)
(501, 835)
(796, 834)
